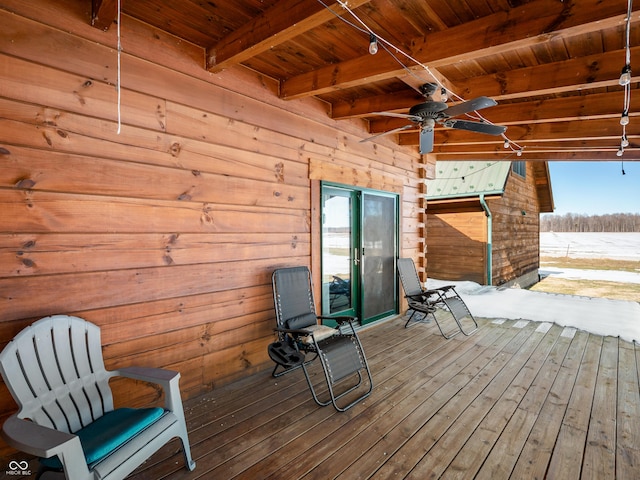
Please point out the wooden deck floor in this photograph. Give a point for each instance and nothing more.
(514, 400)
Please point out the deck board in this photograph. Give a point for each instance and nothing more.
(514, 400)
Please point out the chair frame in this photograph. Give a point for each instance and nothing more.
(428, 300)
(290, 338)
(44, 425)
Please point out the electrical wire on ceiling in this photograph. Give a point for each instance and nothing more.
(489, 165)
(625, 81)
(396, 52)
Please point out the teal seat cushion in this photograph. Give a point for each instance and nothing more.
(107, 433)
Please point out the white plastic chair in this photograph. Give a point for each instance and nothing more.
(55, 371)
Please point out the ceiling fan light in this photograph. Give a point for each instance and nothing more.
(373, 44)
(506, 144)
(625, 75)
(620, 152)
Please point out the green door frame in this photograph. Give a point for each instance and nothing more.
(356, 250)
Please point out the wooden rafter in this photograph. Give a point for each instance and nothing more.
(548, 63)
(541, 132)
(282, 22)
(565, 109)
(103, 13)
(527, 25)
(592, 71)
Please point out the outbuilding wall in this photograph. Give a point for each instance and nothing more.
(457, 240)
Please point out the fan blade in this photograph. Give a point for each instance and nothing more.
(478, 127)
(470, 106)
(426, 140)
(399, 129)
(413, 118)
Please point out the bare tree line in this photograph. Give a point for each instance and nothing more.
(573, 222)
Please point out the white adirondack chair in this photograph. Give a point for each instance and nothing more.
(55, 371)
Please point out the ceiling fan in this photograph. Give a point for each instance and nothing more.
(430, 112)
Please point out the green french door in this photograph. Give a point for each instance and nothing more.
(359, 251)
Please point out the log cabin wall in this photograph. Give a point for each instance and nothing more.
(516, 228)
(457, 246)
(166, 234)
(458, 235)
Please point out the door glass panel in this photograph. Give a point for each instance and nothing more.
(378, 256)
(337, 250)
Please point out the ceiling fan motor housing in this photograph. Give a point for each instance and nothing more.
(429, 109)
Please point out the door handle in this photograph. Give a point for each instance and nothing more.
(356, 256)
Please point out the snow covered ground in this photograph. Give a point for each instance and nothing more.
(599, 275)
(600, 316)
(618, 246)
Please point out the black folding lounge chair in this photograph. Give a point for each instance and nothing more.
(433, 302)
(339, 350)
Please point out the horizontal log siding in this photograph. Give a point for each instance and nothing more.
(166, 234)
(516, 236)
(456, 246)
(457, 241)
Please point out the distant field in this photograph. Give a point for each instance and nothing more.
(617, 246)
(614, 252)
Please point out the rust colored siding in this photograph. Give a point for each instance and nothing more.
(457, 241)
(456, 246)
(165, 234)
(516, 228)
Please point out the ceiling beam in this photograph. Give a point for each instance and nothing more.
(575, 74)
(579, 156)
(537, 132)
(280, 23)
(601, 145)
(520, 27)
(563, 109)
(103, 13)
(362, 107)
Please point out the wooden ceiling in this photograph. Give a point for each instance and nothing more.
(552, 65)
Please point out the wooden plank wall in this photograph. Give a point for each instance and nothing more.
(457, 246)
(165, 234)
(516, 235)
(457, 241)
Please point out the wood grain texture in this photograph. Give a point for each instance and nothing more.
(164, 234)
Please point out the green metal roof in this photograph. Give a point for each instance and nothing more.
(464, 179)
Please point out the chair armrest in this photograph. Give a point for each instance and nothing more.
(167, 379)
(148, 374)
(291, 330)
(45, 442)
(439, 290)
(341, 319)
(418, 297)
(35, 439)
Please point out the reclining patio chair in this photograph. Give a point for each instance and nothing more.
(55, 372)
(436, 302)
(339, 350)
